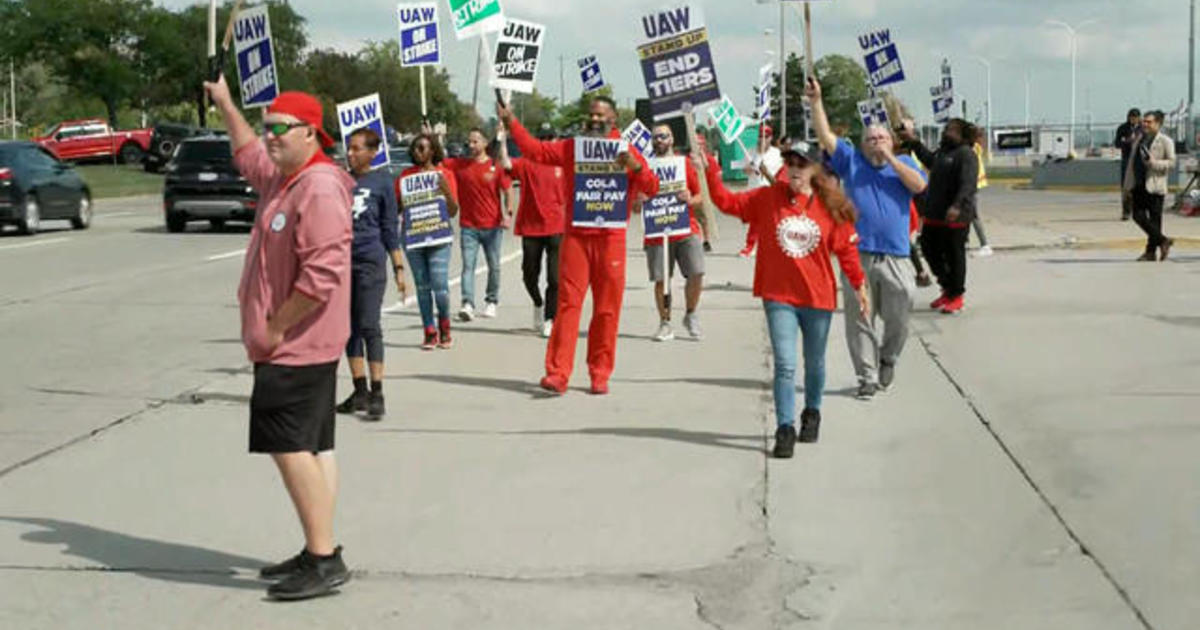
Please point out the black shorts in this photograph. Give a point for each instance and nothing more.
(292, 408)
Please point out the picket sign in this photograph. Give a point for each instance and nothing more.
(366, 111)
(252, 44)
(677, 63)
(420, 41)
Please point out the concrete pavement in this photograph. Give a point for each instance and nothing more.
(1033, 466)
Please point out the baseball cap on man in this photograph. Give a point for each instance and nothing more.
(306, 108)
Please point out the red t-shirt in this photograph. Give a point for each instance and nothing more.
(543, 198)
(693, 186)
(479, 186)
(562, 153)
(796, 237)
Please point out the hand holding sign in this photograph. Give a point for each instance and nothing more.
(812, 90)
(626, 161)
(218, 92)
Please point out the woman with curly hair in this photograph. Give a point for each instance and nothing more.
(801, 219)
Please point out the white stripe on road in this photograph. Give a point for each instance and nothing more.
(412, 299)
(110, 215)
(236, 252)
(49, 241)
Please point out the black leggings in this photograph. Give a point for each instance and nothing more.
(532, 248)
(368, 281)
(945, 249)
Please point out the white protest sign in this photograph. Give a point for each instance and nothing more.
(882, 58)
(638, 136)
(420, 44)
(257, 74)
(359, 113)
(516, 58)
(666, 213)
(727, 120)
(589, 73)
(677, 63)
(476, 17)
(872, 112)
(601, 186)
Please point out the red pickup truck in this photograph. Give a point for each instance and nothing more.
(93, 139)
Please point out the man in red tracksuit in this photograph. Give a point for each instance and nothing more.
(589, 256)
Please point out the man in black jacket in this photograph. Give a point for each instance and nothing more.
(1124, 141)
(949, 207)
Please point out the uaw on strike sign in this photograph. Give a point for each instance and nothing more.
(365, 112)
(881, 57)
(677, 64)
(601, 186)
(255, 58)
(516, 59)
(426, 215)
(666, 213)
(419, 42)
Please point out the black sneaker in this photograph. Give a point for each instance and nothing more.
(283, 569)
(707, 247)
(785, 441)
(866, 391)
(314, 576)
(355, 403)
(810, 425)
(887, 374)
(375, 406)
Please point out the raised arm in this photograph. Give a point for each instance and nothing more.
(825, 136)
(740, 205)
(554, 153)
(253, 164)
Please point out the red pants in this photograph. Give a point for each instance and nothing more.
(598, 261)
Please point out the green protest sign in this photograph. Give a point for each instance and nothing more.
(475, 17)
(728, 121)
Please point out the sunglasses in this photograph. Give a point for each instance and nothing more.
(662, 136)
(278, 129)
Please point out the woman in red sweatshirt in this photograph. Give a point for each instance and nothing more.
(800, 221)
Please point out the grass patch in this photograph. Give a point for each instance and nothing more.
(107, 180)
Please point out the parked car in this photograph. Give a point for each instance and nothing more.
(35, 186)
(93, 139)
(165, 140)
(203, 185)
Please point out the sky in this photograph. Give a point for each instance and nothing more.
(1133, 53)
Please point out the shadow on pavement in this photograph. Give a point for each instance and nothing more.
(503, 384)
(736, 383)
(145, 557)
(702, 438)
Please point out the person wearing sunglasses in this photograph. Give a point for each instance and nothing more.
(430, 264)
(376, 238)
(294, 297)
(685, 250)
(801, 221)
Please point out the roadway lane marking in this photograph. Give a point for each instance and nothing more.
(49, 241)
(456, 280)
(109, 215)
(236, 252)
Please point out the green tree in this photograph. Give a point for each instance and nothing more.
(843, 82)
(534, 110)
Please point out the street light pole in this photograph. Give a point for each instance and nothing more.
(1027, 98)
(988, 106)
(782, 75)
(1073, 32)
(1191, 72)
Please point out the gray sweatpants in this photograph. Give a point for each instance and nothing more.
(891, 284)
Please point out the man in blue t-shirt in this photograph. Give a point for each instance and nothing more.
(376, 220)
(881, 187)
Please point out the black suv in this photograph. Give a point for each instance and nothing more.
(202, 184)
(166, 138)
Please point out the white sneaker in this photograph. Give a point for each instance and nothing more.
(664, 332)
(539, 318)
(692, 323)
(466, 313)
(984, 252)
(489, 310)
(547, 328)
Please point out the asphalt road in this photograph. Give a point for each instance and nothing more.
(1033, 467)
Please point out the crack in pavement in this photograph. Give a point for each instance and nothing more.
(1023, 470)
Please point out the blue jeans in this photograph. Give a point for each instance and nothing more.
(471, 240)
(431, 273)
(783, 321)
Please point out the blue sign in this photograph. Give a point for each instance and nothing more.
(676, 61)
(601, 186)
(425, 218)
(666, 213)
(882, 58)
(420, 44)
(257, 76)
(589, 73)
(364, 112)
(638, 136)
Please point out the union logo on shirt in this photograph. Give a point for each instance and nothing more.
(798, 236)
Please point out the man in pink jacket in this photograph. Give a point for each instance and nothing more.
(295, 307)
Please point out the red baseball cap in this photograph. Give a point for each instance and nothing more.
(767, 129)
(306, 108)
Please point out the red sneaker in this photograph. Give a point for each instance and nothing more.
(599, 388)
(431, 339)
(953, 306)
(942, 300)
(552, 384)
(445, 342)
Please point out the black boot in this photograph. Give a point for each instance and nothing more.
(375, 407)
(810, 425)
(785, 441)
(357, 401)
